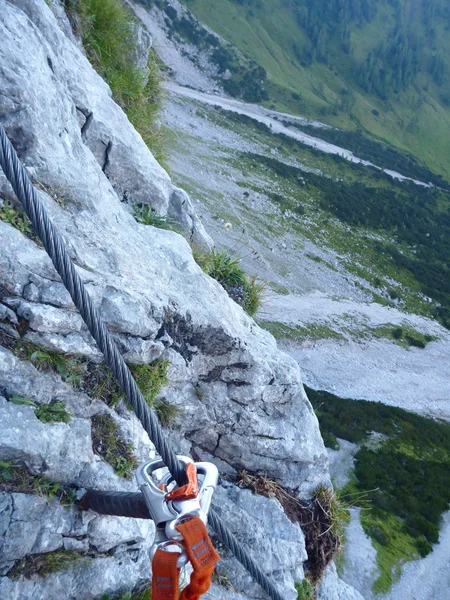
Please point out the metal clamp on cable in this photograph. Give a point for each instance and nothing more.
(170, 506)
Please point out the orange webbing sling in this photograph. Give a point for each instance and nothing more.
(202, 556)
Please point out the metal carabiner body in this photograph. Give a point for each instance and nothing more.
(167, 514)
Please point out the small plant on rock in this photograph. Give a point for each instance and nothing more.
(305, 590)
(17, 218)
(45, 564)
(247, 292)
(145, 214)
(167, 413)
(108, 30)
(151, 378)
(55, 412)
(15, 478)
(108, 443)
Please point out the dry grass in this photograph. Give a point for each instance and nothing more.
(322, 519)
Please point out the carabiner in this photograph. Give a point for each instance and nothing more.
(169, 513)
(182, 559)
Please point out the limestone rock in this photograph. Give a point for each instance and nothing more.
(242, 401)
(333, 588)
(280, 554)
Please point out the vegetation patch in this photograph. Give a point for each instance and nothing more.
(54, 412)
(15, 478)
(145, 594)
(246, 291)
(322, 519)
(368, 149)
(404, 335)
(108, 443)
(375, 66)
(300, 333)
(407, 472)
(45, 564)
(13, 214)
(418, 218)
(95, 379)
(145, 214)
(108, 29)
(305, 590)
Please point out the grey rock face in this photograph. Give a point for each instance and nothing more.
(242, 401)
(333, 588)
(261, 523)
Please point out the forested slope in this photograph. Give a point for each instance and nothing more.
(381, 66)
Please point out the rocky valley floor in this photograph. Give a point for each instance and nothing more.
(321, 301)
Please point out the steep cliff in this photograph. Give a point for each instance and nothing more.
(240, 400)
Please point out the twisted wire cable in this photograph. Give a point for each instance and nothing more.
(54, 245)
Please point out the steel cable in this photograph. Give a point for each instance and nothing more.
(55, 247)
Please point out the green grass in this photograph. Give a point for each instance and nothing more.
(403, 481)
(108, 443)
(305, 590)
(15, 478)
(144, 595)
(15, 216)
(300, 333)
(42, 565)
(95, 379)
(107, 29)
(414, 120)
(393, 544)
(248, 292)
(54, 412)
(146, 215)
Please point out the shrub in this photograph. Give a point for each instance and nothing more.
(397, 333)
(412, 341)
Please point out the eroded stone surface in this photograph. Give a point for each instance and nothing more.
(242, 401)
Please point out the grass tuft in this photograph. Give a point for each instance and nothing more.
(145, 214)
(151, 378)
(247, 292)
(167, 413)
(305, 590)
(45, 564)
(15, 478)
(55, 412)
(15, 216)
(108, 29)
(108, 443)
